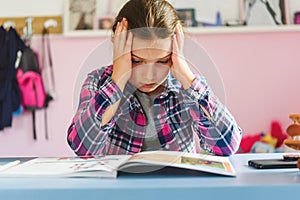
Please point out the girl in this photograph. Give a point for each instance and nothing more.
(149, 99)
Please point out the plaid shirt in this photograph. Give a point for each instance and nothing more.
(178, 115)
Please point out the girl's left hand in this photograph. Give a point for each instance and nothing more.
(180, 68)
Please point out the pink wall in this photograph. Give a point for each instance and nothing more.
(260, 72)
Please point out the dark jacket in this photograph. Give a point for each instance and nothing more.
(10, 99)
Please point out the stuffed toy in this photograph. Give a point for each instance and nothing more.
(262, 142)
(276, 132)
(248, 141)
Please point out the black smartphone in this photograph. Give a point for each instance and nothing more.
(272, 164)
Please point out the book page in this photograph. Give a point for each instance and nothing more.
(199, 162)
(68, 167)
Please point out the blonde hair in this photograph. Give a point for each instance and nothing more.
(148, 18)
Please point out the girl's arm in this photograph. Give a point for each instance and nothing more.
(100, 99)
(87, 135)
(216, 127)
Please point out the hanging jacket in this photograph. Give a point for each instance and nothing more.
(10, 99)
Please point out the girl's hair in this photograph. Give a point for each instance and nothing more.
(148, 18)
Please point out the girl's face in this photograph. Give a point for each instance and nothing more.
(151, 62)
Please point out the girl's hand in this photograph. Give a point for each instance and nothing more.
(122, 64)
(180, 68)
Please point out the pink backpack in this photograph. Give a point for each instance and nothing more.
(30, 81)
(32, 90)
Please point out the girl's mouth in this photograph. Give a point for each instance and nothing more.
(149, 85)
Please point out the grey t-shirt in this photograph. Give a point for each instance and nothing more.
(150, 142)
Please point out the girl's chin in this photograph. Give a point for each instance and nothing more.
(146, 90)
(153, 90)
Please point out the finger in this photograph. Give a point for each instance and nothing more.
(181, 34)
(175, 45)
(128, 43)
(116, 40)
(119, 43)
(180, 27)
(122, 24)
(117, 32)
(117, 28)
(123, 33)
(178, 35)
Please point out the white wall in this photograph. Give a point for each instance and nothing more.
(21, 8)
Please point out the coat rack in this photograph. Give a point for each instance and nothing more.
(33, 25)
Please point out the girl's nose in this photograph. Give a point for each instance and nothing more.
(149, 72)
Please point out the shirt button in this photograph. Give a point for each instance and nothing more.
(158, 116)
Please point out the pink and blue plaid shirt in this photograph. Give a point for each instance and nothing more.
(178, 115)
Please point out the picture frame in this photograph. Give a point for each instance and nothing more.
(265, 13)
(90, 17)
(187, 17)
(104, 22)
(79, 15)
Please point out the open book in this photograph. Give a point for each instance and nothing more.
(109, 166)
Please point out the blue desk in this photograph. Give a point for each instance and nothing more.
(250, 184)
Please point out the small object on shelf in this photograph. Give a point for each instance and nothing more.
(217, 23)
(218, 19)
(297, 17)
(187, 17)
(234, 23)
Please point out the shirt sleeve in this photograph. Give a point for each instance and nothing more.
(217, 129)
(86, 136)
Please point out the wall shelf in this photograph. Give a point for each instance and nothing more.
(198, 30)
(242, 29)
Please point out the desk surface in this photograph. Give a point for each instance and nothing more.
(249, 184)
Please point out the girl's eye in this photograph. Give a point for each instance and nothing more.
(136, 61)
(164, 61)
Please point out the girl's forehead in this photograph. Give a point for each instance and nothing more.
(156, 44)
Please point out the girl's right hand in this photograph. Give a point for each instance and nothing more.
(122, 65)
